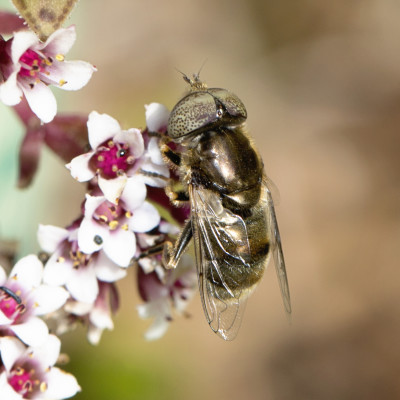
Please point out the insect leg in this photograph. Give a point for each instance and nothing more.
(173, 253)
(11, 294)
(170, 156)
(178, 197)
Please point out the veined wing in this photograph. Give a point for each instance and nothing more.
(222, 258)
(276, 246)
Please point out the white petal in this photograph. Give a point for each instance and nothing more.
(22, 41)
(4, 320)
(60, 384)
(134, 193)
(94, 335)
(10, 92)
(57, 271)
(71, 75)
(49, 237)
(41, 101)
(163, 170)
(33, 332)
(59, 42)
(101, 127)
(91, 203)
(112, 188)
(11, 349)
(144, 218)
(49, 299)
(156, 116)
(101, 319)
(83, 285)
(7, 392)
(121, 247)
(79, 167)
(133, 137)
(154, 151)
(78, 308)
(28, 271)
(106, 270)
(47, 354)
(91, 236)
(3, 275)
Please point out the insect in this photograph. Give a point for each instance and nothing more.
(233, 222)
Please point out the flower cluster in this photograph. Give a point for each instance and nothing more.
(29, 66)
(28, 352)
(120, 226)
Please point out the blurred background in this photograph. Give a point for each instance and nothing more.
(321, 82)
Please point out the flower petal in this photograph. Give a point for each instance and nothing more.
(79, 167)
(112, 188)
(91, 236)
(134, 192)
(154, 151)
(49, 237)
(11, 349)
(28, 271)
(60, 384)
(41, 101)
(10, 92)
(101, 319)
(49, 299)
(133, 137)
(3, 275)
(59, 42)
(57, 270)
(83, 285)
(71, 75)
(151, 167)
(21, 42)
(33, 332)
(145, 218)
(121, 247)
(106, 270)
(101, 127)
(156, 117)
(47, 354)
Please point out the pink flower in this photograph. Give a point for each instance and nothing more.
(29, 66)
(69, 266)
(29, 373)
(20, 318)
(111, 227)
(164, 291)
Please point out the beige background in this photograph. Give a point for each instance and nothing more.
(321, 82)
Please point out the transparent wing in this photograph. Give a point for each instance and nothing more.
(276, 246)
(222, 254)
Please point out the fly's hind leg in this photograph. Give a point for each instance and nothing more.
(172, 253)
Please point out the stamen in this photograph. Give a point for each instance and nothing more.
(60, 57)
(113, 225)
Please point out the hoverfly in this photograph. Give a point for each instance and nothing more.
(233, 221)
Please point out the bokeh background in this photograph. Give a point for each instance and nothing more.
(321, 82)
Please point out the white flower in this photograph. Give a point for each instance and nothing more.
(111, 227)
(153, 166)
(29, 373)
(164, 291)
(115, 155)
(69, 266)
(23, 298)
(32, 66)
(97, 315)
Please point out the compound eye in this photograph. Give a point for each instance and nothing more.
(195, 112)
(234, 107)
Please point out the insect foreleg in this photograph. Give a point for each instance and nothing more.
(170, 156)
(173, 253)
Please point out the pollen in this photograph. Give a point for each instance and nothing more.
(43, 387)
(114, 168)
(128, 214)
(110, 143)
(113, 225)
(60, 259)
(124, 227)
(103, 218)
(60, 57)
(62, 82)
